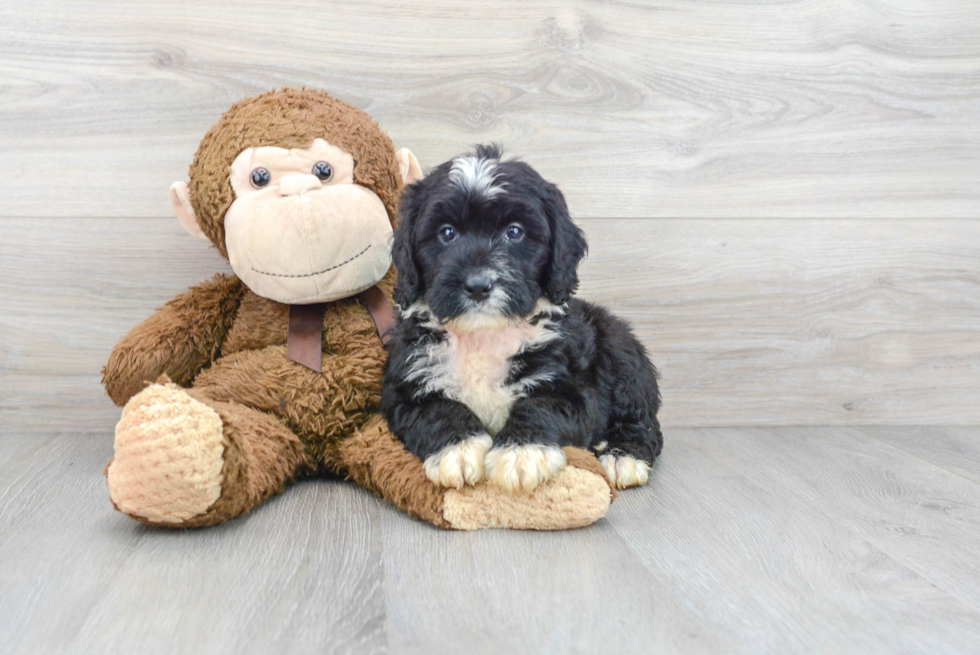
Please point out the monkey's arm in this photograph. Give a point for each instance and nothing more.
(178, 341)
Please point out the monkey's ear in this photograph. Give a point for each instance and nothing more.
(568, 247)
(409, 286)
(408, 166)
(180, 202)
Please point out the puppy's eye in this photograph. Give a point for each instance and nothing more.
(447, 234)
(260, 177)
(514, 232)
(323, 170)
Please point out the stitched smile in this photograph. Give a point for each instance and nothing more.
(335, 266)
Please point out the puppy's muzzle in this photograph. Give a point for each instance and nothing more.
(478, 287)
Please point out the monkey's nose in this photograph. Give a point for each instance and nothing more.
(478, 286)
(292, 185)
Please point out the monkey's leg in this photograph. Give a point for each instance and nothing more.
(577, 496)
(184, 460)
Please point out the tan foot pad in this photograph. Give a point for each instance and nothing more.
(573, 498)
(168, 456)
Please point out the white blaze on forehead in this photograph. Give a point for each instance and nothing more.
(476, 174)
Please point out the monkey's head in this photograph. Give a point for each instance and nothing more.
(299, 191)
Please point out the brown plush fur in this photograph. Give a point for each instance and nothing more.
(377, 461)
(161, 345)
(227, 346)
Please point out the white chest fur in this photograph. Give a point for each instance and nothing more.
(473, 366)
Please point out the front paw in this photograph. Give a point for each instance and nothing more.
(523, 467)
(460, 463)
(625, 470)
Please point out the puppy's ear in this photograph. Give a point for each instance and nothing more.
(409, 286)
(568, 247)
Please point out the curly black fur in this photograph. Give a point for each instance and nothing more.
(586, 382)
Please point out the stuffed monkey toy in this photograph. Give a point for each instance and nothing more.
(247, 382)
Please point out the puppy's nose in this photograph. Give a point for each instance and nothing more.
(478, 286)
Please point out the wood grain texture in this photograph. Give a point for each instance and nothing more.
(782, 540)
(878, 489)
(828, 534)
(794, 322)
(955, 449)
(763, 322)
(300, 571)
(668, 108)
(520, 592)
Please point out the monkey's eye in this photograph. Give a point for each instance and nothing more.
(260, 177)
(447, 234)
(323, 170)
(514, 232)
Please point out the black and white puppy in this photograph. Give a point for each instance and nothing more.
(495, 366)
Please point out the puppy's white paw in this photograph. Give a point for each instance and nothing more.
(625, 470)
(460, 463)
(523, 468)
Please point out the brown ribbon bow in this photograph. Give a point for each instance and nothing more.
(304, 345)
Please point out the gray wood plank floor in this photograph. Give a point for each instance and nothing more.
(754, 540)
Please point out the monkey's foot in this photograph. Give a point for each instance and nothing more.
(168, 456)
(578, 495)
(523, 468)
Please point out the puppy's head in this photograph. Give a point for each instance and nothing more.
(481, 241)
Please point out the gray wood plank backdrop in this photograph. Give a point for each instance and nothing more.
(782, 196)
